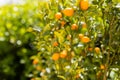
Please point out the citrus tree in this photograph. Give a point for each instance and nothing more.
(78, 40)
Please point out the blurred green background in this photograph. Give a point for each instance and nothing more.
(16, 39)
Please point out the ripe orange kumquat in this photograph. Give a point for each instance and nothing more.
(84, 25)
(90, 49)
(32, 79)
(70, 56)
(84, 4)
(81, 36)
(74, 27)
(77, 76)
(97, 49)
(63, 23)
(38, 68)
(58, 15)
(68, 12)
(102, 67)
(85, 39)
(55, 44)
(35, 61)
(55, 56)
(63, 54)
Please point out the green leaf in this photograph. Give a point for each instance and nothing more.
(62, 77)
(116, 1)
(84, 30)
(33, 57)
(60, 35)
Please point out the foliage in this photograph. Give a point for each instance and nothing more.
(16, 23)
(88, 51)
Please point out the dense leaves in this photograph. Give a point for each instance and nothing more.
(16, 23)
(82, 44)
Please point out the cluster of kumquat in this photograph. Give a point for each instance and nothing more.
(68, 43)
